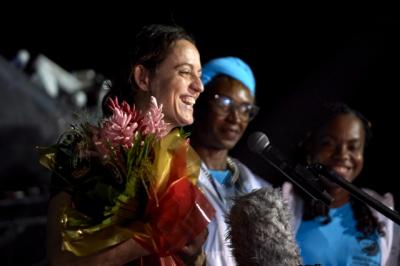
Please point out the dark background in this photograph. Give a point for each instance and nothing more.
(301, 57)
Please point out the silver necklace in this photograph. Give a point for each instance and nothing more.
(232, 167)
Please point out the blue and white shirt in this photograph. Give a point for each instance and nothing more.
(220, 196)
(337, 243)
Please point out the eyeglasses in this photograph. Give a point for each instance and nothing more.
(224, 105)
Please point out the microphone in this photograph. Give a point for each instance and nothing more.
(260, 230)
(298, 174)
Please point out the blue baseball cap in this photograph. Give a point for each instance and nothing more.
(231, 66)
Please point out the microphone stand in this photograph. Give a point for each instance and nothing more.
(321, 170)
(302, 178)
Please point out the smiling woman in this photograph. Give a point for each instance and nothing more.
(222, 114)
(126, 188)
(178, 92)
(347, 232)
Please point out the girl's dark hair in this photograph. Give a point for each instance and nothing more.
(152, 44)
(367, 223)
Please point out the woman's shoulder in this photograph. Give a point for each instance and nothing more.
(248, 176)
(386, 198)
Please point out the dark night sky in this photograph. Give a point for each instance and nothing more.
(300, 57)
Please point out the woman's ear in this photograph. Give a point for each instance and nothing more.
(308, 159)
(309, 150)
(306, 147)
(141, 77)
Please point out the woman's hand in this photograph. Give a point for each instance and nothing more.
(192, 253)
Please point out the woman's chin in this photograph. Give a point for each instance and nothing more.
(181, 123)
(185, 119)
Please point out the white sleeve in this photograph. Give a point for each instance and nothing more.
(389, 249)
(295, 204)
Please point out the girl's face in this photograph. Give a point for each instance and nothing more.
(223, 125)
(176, 83)
(340, 146)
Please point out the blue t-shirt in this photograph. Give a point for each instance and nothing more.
(222, 176)
(338, 242)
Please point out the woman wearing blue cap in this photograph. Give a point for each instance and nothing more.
(222, 114)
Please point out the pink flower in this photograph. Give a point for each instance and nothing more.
(117, 130)
(153, 122)
(121, 129)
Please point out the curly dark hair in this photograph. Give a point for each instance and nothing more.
(152, 44)
(367, 223)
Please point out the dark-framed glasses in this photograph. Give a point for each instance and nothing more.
(224, 105)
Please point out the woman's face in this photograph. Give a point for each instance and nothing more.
(340, 146)
(220, 130)
(176, 83)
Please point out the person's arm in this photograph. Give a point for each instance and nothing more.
(193, 253)
(116, 255)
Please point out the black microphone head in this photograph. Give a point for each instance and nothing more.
(257, 142)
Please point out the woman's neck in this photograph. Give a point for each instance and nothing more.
(213, 158)
(142, 101)
(340, 197)
(143, 104)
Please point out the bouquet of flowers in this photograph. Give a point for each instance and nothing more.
(128, 177)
